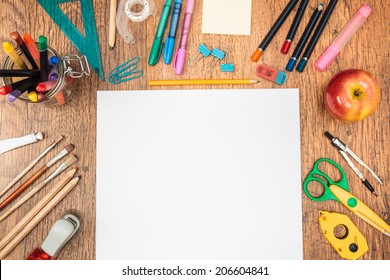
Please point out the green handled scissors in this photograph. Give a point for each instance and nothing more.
(339, 191)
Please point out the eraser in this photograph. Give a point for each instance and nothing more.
(271, 74)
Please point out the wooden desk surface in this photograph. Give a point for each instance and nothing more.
(368, 49)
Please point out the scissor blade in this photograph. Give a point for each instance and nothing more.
(369, 221)
(360, 209)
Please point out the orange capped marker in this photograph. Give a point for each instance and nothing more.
(32, 47)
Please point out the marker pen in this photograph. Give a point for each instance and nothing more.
(342, 39)
(32, 47)
(18, 39)
(10, 50)
(43, 57)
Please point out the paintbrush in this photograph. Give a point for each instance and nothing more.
(36, 175)
(31, 165)
(32, 218)
(71, 160)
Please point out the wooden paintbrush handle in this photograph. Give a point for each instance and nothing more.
(23, 186)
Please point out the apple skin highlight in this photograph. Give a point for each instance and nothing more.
(352, 95)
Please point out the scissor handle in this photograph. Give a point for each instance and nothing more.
(317, 175)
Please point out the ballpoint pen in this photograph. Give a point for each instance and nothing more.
(344, 150)
(170, 43)
(181, 52)
(155, 51)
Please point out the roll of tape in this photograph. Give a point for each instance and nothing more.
(138, 16)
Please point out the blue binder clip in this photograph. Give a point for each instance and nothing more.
(125, 72)
(218, 55)
(227, 66)
(203, 53)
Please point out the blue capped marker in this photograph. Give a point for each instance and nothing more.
(170, 42)
(303, 40)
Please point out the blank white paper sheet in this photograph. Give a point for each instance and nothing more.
(229, 17)
(198, 174)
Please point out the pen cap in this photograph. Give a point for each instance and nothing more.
(190, 6)
(326, 58)
(168, 50)
(180, 58)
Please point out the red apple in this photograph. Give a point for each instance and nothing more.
(352, 95)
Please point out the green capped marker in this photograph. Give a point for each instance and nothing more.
(43, 58)
(157, 46)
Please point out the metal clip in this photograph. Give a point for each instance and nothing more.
(203, 53)
(227, 66)
(81, 62)
(126, 71)
(218, 56)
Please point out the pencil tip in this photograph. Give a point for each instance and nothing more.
(111, 48)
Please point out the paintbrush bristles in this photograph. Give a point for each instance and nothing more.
(71, 160)
(69, 148)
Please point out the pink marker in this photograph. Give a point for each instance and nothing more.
(180, 56)
(338, 44)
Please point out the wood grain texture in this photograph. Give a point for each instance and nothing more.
(368, 50)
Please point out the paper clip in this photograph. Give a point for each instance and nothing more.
(218, 56)
(203, 53)
(227, 66)
(125, 71)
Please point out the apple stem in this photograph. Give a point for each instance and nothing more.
(358, 92)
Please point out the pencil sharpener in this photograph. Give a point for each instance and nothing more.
(343, 235)
(63, 230)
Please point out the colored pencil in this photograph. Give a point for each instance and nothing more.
(274, 29)
(316, 36)
(40, 186)
(32, 218)
(294, 27)
(304, 38)
(111, 32)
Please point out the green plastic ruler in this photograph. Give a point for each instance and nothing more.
(88, 45)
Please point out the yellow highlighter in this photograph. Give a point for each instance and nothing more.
(10, 50)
